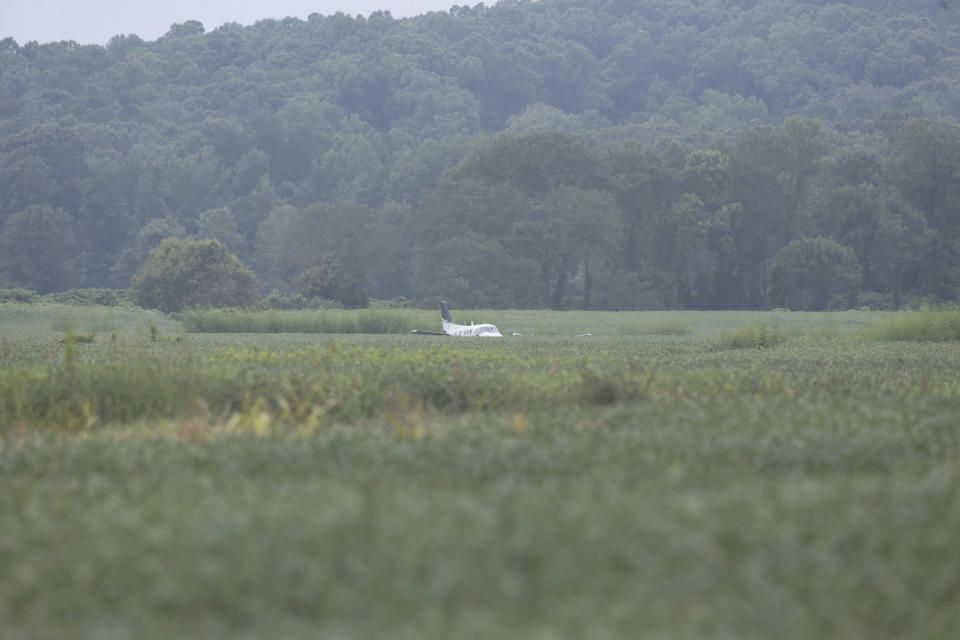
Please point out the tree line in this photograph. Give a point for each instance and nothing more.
(777, 216)
(693, 154)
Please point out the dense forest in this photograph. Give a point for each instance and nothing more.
(595, 153)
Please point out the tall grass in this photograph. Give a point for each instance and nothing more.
(754, 336)
(543, 322)
(918, 326)
(661, 327)
(299, 321)
(295, 377)
(48, 318)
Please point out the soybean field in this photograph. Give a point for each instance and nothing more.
(601, 475)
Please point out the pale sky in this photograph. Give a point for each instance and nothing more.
(96, 21)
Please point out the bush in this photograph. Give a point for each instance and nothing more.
(184, 273)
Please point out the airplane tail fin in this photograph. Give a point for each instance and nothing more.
(444, 313)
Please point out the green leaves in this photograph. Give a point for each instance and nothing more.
(39, 250)
(181, 274)
(326, 280)
(653, 102)
(808, 273)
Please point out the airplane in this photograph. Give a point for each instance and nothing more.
(451, 329)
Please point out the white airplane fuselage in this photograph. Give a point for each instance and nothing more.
(450, 328)
(478, 330)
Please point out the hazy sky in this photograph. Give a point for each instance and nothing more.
(96, 21)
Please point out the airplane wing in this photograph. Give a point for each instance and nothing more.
(429, 333)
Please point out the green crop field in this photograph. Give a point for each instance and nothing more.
(672, 475)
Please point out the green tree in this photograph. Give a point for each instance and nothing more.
(808, 273)
(250, 210)
(471, 247)
(858, 208)
(220, 224)
(775, 168)
(925, 167)
(354, 168)
(419, 164)
(366, 248)
(458, 205)
(185, 29)
(643, 186)
(771, 174)
(272, 255)
(470, 272)
(678, 235)
(706, 173)
(186, 273)
(147, 237)
(627, 72)
(374, 110)
(39, 251)
(533, 162)
(327, 279)
(575, 227)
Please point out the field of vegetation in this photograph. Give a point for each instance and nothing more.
(672, 474)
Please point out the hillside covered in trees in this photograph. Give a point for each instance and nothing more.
(607, 154)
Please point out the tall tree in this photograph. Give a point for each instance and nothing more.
(644, 186)
(772, 170)
(366, 248)
(533, 162)
(574, 227)
(925, 166)
(809, 272)
(39, 251)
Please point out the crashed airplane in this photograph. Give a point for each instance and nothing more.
(461, 330)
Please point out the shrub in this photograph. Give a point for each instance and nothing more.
(184, 273)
